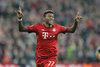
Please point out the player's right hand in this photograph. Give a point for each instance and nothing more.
(19, 13)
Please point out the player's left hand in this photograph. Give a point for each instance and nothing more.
(78, 17)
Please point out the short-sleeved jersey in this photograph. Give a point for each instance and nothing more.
(47, 38)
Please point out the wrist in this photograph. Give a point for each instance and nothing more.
(76, 21)
(20, 19)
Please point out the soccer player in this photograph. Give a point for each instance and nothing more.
(46, 50)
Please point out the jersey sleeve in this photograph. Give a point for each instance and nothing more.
(63, 29)
(33, 28)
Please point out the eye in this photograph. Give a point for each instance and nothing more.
(50, 15)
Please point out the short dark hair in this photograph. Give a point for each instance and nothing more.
(47, 11)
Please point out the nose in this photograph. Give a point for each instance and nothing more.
(51, 18)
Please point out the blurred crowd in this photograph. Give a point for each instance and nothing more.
(19, 47)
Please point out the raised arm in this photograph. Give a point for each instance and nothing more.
(73, 28)
(21, 27)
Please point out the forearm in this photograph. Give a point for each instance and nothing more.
(73, 28)
(21, 27)
(77, 20)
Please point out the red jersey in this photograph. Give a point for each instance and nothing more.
(47, 38)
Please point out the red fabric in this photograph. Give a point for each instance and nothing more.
(8, 65)
(6, 59)
(35, 5)
(89, 24)
(46, 62)
(47, 38)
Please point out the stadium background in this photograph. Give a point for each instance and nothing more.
(19, 48)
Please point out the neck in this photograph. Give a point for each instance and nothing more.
(48, 25)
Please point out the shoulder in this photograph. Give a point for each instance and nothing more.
(39, 24)
(57, 25)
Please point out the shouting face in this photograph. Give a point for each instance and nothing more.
(49, 18)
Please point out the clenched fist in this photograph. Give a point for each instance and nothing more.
(19, 13)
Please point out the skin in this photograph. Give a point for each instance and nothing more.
(49, 21)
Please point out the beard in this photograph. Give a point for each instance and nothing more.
(50, 22)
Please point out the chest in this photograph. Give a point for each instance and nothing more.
(45, 33)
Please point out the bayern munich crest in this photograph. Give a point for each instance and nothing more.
(54, 29)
